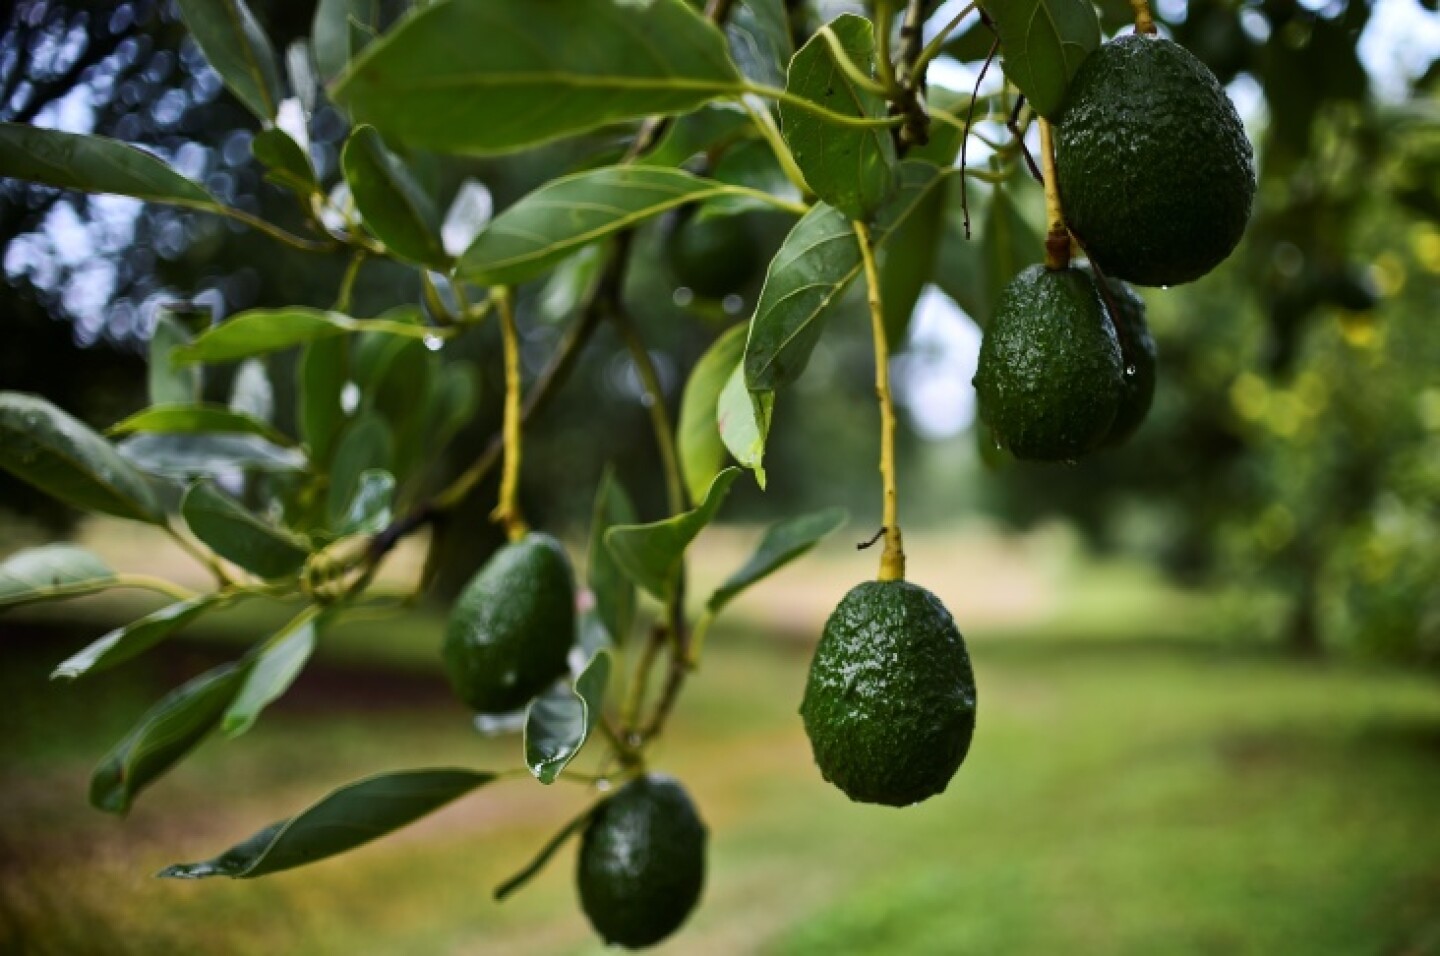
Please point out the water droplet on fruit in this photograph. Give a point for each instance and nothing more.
(1131, 371)
(434, 343)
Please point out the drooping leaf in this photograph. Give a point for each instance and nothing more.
(239, 536)
(559, 721)
(196, 420)
(210, 454)
(851, 168)
(697, 132)
(651, 554)
(702, 452)
(784, 541)
(533, 868)
(95, 164)
(960, 267)
(455, 398)
(907, 260)
(321, 378)
(251, 392)
(574, 211)
(232, 40)
(52, 572)
(743, 419)
(341, 29)
(369, 510)
(167, 732)
(169, 383)
(135, 638)
(285, 161)
(1010, 244)
(45, 447)
(272, 673)
(613, 590)
(264, 330)
(1042, 44)
(345, 819)
(466, 77)
(393, 206)
(759, 35)
(367, 445)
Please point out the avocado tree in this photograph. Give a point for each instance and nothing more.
(846, 136)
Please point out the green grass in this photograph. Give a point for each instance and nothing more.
(1125, 794)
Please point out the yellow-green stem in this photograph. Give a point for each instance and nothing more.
(778, 146)
(659, 415)
(507, 512)
(937, 43)
(849, 66)
(347, 283)
(892, 558)
(1057, 237)
(146, 582)
(1144, 22)
(830, 116)
(884, 67)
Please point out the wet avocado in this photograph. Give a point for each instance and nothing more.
(1137, 351)
(712, 256)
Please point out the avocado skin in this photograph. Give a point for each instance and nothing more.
(1137, 351)
(1156, 175)
(642, 862)
(511, 628)
(889, 706)
(1049, 377)
(712, 256)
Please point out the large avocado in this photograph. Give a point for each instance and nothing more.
(512, 627)
(1049, 376)
(1155, 173)
(1137, 351)
(890, 703)
(642, 862)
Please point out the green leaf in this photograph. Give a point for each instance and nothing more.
(851, 168)
(907, 260)
(760, 43)
(321, 376)
(198, 419)
(1010, 244)
(562, 216)
(697, 132)
(286, 162)
(264, 330)
(135, 638)
(50, 573)
(393, 206)
(783, 542)
(167, 732)
(186, 456)
(465, 77)
(236, 535)
(651, 554)
(231, 39)
(960, 269)
(95, 164)
(743, 418)
(342, 28)
(1042, 44)
(369, 510)
(559, 721)
(367, 445)
(345, 819)
(454, 401)
(614, 592)
(170, 384)
(45, 447)
(275, 669)
(552, 845)
(702, 452)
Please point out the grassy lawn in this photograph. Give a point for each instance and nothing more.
(1126, 793)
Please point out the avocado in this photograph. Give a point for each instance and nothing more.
(512, 627)
(1137, 351)
(642, 862)
(1050, 375)
(889, 706)
(1155, 173)
(712, 256)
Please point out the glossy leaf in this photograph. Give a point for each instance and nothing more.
(369, 510)
(784, 541)
(702, 452)
(743, 419)
(135, 638)
(169, 383)
(393, 206)
(95, 164)
(285, 161)
(214, 455)
(274, 670)
(759, 35)
(321, 378)
(167, 732)
(52, 572)
(232, 40)
(533, 868)
(195, 420)
(651, 554)
(571, 212)
(367, 445)
(613, 590)
(1042, 44)
(264, 330)
(466, 77)
(238, 536)
(345, 819)
(851, 168)
(45, 447)
(559, 721)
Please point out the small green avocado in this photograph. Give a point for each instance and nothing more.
(1137, 351)
(1156, 175)
(890, 703)
(642, 862)
(1050, 377)
(512, 627)
(712, 256)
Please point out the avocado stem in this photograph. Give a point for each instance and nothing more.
(892, 559)
(507, 512)
(1057, 237)
(1144, 22)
